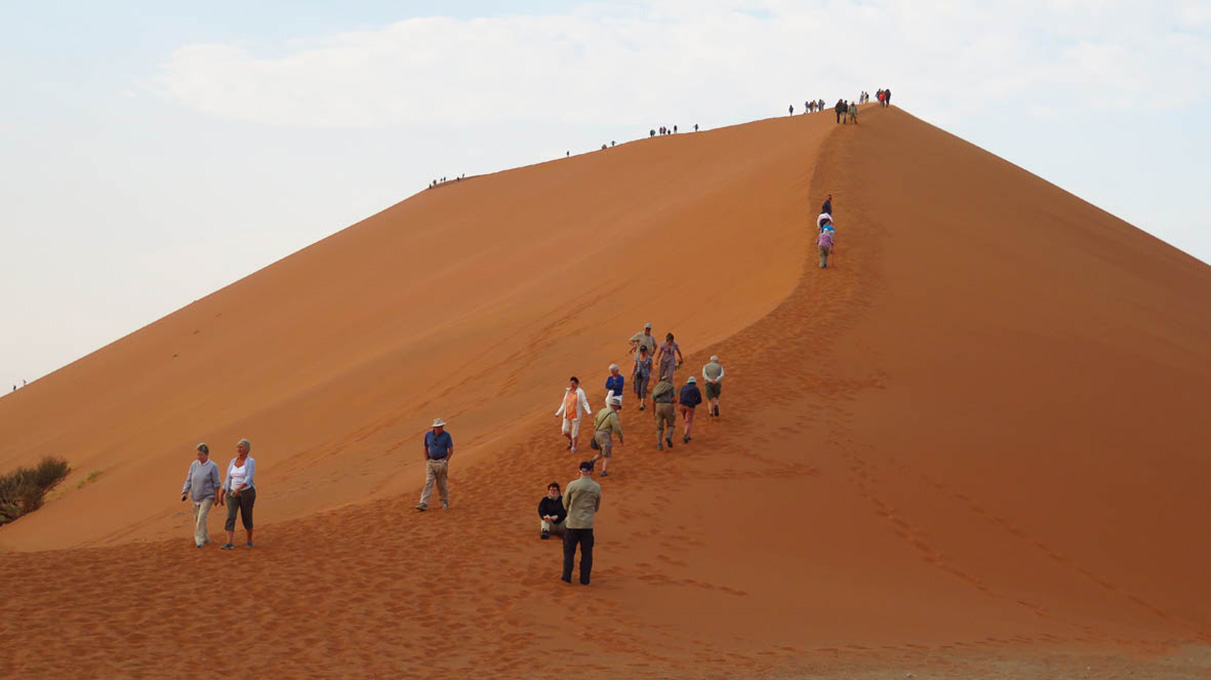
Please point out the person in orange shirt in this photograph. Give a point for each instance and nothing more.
(575, 404)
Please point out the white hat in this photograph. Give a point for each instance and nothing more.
(715, 358)
(648, 325)
(438, 422)
(692, 379)
(614, 401)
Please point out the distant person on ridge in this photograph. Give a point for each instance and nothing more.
(839, 109)
(201, 485)
(690, 398)
(664, 394)
(439, 449)
(824, 243)
(552, 513)
(605, 425)
(669, 357)
(641, 374)
(615, 382)
(712, 373)
(239, 492)
(573, 408)
(695, 127)
(790, 110)
(853, 112)
(820, 105)
(582, 501)
(887, 97)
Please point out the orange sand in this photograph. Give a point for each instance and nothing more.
(976, 437)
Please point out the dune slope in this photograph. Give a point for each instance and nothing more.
(972, 439)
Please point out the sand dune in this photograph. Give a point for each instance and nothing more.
(971, 445)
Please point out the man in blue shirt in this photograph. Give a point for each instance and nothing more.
(439, 449)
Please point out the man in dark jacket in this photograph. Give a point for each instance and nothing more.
(841, 108)
(552, 512)
(827, 208)
(691, 396)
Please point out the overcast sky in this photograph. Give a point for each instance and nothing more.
(152, 152)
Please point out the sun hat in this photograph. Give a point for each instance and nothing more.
(647, 325)
(615, 401)
(438, 422)
(715, 358)
(692, 379)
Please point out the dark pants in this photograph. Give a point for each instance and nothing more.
(585, 538)
(243, 505)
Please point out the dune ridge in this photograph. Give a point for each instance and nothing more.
(971, 446)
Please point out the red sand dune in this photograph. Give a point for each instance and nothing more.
(973, 442)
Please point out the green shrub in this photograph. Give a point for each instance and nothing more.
(23, 490)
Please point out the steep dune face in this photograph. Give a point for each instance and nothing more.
(973, 437)
(474, 301)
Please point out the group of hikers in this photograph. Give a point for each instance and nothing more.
(567, 512)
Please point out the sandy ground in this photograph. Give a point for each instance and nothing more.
(972, 448)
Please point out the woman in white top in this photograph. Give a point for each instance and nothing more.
(239, 491)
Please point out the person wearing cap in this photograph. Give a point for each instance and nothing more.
(439, 449)
(201, 483)
(575, 404)
(690, 397)
(669, 357)
(644, 338)
(239, 492)
(641, 374)
(712, 373)
(582, 500)
(664, 396)
(605, 424)
(614, 382)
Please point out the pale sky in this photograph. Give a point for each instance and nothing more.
(153, 152)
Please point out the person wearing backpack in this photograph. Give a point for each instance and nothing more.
(690, 397)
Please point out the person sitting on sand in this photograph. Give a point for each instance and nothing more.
(690, 397)
(641, 374)
(574, 406)
(552, 512)
(201, 485)
(664, 394)
(605, 425)
(615, 382)
(712, 373)
(239, 492)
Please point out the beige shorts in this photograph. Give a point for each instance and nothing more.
(571, 425)
(606, 441)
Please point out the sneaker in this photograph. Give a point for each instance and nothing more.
(227, 546)
(659, 447)
(669, 441)
(249, 544)
(565, 580)
(201, 545)
(422, 507)
(685, 439)
(716, 411)
(604, 473)
(546, 536)
(445, 504)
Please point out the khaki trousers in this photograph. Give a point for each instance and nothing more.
(201, 529)
(436, 471)
(664, 415)
(556, 529)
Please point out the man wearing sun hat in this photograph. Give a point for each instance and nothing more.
(439, 449)
(713, 374)
(644, 338)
